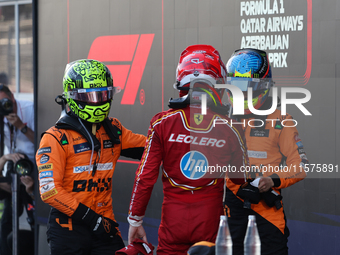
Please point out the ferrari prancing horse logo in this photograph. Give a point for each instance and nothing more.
(198, 118)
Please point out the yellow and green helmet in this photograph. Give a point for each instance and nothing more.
(88, 89)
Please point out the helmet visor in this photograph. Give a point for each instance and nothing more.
(255, 83)
(93, 95)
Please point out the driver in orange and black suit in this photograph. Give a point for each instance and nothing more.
(276, 156)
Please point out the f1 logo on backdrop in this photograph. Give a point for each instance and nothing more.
(126, 57)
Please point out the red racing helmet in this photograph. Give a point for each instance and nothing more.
(200, 62)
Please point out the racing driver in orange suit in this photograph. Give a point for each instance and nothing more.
(275, 152)
(76, 160)
(188, 142)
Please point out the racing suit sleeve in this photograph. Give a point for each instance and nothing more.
(292, 149)
(146, 177)
(51, 175)
(132, 144)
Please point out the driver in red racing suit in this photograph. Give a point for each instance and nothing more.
(187, 143)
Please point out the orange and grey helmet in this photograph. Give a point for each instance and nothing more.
(250, 68)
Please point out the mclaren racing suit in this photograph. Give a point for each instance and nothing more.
(269, 144)
(71, 172)
(194, 149)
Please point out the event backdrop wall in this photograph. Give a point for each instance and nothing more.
(141, 41)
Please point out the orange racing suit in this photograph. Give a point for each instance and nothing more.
(65, 169)
(268, 147)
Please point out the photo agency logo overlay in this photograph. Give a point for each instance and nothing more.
(238, 103)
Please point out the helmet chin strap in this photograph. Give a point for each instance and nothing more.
(94, 128)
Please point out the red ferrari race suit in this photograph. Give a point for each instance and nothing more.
(66, 161)
(268, 146)
(187, 143)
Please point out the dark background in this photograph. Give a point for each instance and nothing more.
(67, 29)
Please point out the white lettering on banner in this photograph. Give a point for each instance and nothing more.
(189, 139)
(272, 42)
(251, 23)
(278, 59)
(275, 24)
(261, 7)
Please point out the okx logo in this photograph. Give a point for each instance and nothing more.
(126, 57)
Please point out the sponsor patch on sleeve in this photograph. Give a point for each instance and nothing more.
(45, 167)
(297, 138)
(303, 156)
(46, 188)
(45, 181)
(301, 151)
(299, 144)
(49, 194)
(44, 159)
(44, 150)
(45, 174)
(304, 161)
